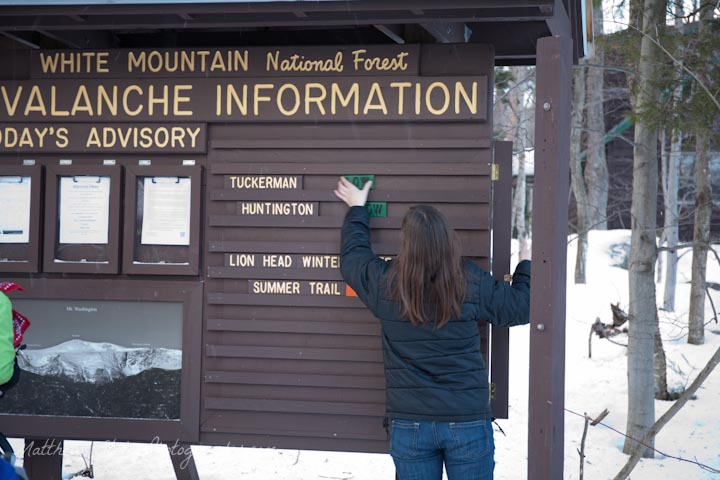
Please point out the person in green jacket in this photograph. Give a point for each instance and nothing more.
(9, 371)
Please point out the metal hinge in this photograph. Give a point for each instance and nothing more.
(507, 278)
(495, 172)
(492, 390)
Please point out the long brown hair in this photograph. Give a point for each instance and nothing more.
(427, 279)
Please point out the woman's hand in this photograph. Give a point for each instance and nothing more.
(350, 194)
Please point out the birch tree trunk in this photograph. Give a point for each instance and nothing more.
(576, 171)
(701, 230)
(671, 173)
(518, 107)
(701, 239)
(659, 364)
(671, 219)
(596, 171)
(643, 250)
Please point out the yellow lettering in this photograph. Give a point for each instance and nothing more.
(53, 104)
(35, 97)
(281, 106)
(111, 103)
(309, 98)
(401, 86)
(136, 61)
(178, 99)
(102, 60)
(193, 136)
(428, 98)
(126, 95)
(10, 107)
(49, 63)
(240, 103)
(336, 95)
(93, 139)
(260, 98)
(218, 63)
(471, 103)
(163, 100)
(375, 91)
(82, 102)
(241, 61)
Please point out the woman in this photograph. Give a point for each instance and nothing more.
(429, 302)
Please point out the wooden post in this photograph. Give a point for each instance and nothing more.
(183, 461)
(43, 457)
(502, 224)
(549, 259)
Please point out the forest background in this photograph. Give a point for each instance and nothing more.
(644, 156)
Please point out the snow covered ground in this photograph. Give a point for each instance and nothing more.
(591, 386)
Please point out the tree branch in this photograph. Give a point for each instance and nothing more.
(672, 411)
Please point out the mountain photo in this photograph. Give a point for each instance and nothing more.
(97, 379)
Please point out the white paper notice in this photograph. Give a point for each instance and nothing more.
(84, 209)
(14, 209)
(166, 211)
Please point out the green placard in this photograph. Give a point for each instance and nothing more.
(360, 180)
(377, 209)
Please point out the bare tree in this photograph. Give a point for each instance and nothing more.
(576, 171)
(669, 414)
(596, 170)
(517, 113)
(670, 177)
(701, 230)
(643, 249)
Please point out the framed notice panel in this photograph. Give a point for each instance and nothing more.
(108, 355)
(162, 220)
(20, 218)
(82, 219)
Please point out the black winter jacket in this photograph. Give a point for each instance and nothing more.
(432, 374)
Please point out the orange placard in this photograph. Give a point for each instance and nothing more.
(349, 292)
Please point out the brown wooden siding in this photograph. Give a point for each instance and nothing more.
(288, 370)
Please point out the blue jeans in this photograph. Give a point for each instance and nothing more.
(419, 448)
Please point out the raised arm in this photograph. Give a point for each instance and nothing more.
(359, 266)
(506, 305)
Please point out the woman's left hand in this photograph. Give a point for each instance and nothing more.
(350, 194)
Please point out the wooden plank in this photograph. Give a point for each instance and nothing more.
(43, 457)
(293, 340)
(359, 426)
(502, 225)
(475, 249)
(292, 366)
(289, 406)
(183, 461)
(340, 433)
(267, 440)
(546, 425)
(335, 222)
(351, 143)
(440, 196)
(431, 6)
(409, 169)
(252, 378)
(292, 326)
(399, 157)
(399, 134)
(295, 393)
(331, 354)
(278, 274)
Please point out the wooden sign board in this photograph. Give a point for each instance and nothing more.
(245, 146)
